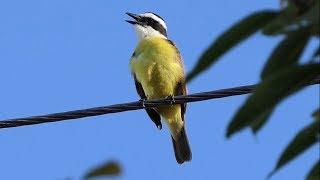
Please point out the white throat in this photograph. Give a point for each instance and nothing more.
(147, 32)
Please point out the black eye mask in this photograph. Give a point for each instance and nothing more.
(147, 21)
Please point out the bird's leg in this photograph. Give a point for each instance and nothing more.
(171, 99)
(143, 100)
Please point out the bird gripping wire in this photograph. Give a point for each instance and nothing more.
(76, 114)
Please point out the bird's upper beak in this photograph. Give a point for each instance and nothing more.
(135, 17)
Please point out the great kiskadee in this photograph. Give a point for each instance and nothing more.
(158, 72)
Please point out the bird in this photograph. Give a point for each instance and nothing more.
(158, 72)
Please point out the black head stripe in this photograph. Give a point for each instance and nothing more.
(156, 15)
(154, 24)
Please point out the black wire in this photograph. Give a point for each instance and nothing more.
(129, 106)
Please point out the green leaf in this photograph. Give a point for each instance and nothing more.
(110, 168)
(316, 114)
(289, 20)
(287, 53)
(313, 16)
(316, 52)
(285, 18)
(314, 174)
(270, 92)
(230, 38)
(261, 120)
(302, 141)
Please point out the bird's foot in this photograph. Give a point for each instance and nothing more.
(142, 101)
(171, 99)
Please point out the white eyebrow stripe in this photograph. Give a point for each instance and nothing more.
(150, 15)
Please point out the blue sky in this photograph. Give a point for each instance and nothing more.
(64, 55)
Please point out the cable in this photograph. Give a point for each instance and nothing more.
(130, 106)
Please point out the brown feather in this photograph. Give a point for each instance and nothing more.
(181, 145)
(153, 114)
(181, 89)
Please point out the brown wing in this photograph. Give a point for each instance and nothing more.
(181, 89)
(153, 114)
(179, 58)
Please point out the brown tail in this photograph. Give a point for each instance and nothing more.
(181, 147)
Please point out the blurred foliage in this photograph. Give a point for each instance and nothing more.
(283, 74)
(109, 169)
(316, 114)
(314, 173)
(303, 140)
(270, 92)
(237, 33)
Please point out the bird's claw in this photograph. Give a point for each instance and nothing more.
(143, 102)
(171, 99)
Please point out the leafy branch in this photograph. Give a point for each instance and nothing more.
(283, 75)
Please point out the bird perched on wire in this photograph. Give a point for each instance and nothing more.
(158, 72)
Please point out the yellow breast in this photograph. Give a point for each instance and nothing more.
(157, 66)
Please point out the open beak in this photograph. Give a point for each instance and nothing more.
(135, 17)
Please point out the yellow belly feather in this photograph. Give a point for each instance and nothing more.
(157, 68)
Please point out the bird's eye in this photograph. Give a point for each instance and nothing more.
(146, 20)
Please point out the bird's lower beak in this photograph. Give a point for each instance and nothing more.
(135, 17)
